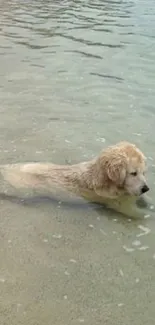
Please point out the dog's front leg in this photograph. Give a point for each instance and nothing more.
(127, 207)
(145, 201)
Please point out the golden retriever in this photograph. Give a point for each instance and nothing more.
(115, 178)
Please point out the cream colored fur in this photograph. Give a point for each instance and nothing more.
(107, 179)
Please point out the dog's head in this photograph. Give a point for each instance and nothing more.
(122, 166)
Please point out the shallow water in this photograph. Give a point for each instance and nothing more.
(75, 77)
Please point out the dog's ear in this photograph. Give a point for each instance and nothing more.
(116, 169)
(110, 167)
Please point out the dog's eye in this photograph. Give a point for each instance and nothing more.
(134, 173)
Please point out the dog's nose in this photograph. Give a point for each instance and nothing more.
(145, 189)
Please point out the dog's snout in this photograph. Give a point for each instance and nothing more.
(145, 189)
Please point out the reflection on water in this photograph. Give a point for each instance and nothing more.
(75, 77)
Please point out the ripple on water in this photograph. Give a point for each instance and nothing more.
(57, 236)
(128, 249)
(81, 320)
(143, 248)
(91, 226)
(136, 243)
(145, 230)
(120, 304)
(73, 261)
(121, 272)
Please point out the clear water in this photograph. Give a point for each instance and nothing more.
(75, 77)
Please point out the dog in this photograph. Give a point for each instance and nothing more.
(116, 178)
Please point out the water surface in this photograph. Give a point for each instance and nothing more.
(75, 77)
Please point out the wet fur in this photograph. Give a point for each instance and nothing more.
(99, 180)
